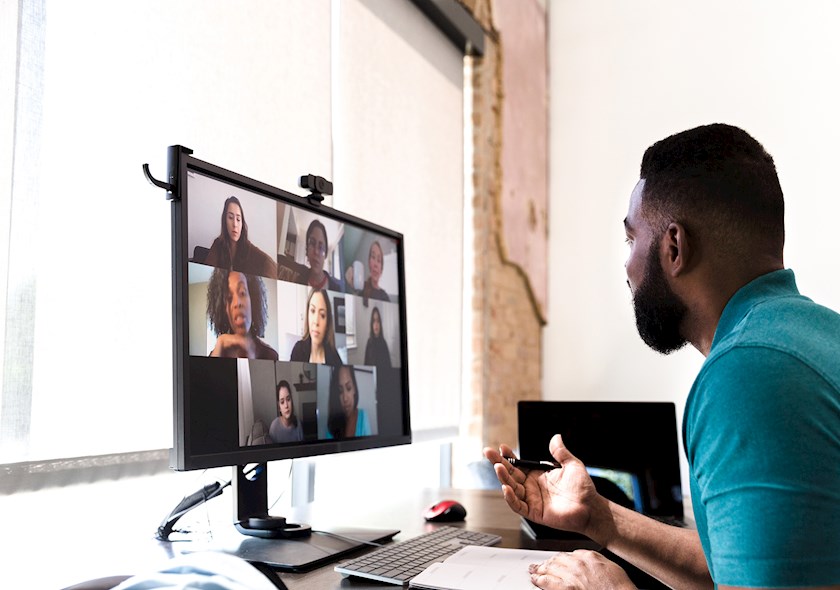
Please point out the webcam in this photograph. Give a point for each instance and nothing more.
(316, 184)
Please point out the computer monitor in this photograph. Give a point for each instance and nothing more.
(289, 331)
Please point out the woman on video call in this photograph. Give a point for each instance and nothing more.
(376, 350)
(238, 312)
(371, 288)
(285, 427)
(233, 250)
(346, 419)
(317, 246)
(318, 342)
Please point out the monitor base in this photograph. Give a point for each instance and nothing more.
(299, 554)
(273, 527)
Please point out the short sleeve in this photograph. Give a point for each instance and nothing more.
(764, 446)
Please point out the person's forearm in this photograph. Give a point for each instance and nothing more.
(671, 554)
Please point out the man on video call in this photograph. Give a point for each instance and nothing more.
(761, 426)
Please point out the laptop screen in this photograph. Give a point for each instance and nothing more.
(633, 444)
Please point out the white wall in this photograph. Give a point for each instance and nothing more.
(624, 75)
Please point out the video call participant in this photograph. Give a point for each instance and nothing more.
(376, 350)
(318, 342)
(371, 288)
(285, 427)
(317, 246)
(762, 421)
(238, 313)
(233, 251)
(346, 419)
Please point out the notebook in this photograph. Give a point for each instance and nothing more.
(631, 449)
(482, 568)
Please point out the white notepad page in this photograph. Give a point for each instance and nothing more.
(482, 568)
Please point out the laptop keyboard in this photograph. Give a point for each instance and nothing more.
(397, 563)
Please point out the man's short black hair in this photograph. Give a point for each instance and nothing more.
(720, 183)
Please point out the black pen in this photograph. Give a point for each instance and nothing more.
(525, 464)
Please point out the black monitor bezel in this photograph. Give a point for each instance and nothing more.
(181, 458)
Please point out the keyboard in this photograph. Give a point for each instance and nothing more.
(399, 562)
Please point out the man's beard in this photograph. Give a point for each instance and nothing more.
(659, 312)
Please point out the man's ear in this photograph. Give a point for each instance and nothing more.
(677, 247)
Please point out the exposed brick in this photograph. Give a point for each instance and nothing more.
(507, 332)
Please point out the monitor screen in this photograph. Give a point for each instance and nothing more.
(289, 324)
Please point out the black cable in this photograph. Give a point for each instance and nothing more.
(208, 492)
(198, 498)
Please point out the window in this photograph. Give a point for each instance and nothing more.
(109, 87)
(367, 93)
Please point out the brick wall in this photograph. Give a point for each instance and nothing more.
(506, 337)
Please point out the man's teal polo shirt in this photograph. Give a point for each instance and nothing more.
(762, 434)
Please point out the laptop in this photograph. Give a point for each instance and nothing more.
(630, 448)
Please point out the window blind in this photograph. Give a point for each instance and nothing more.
(367, 93)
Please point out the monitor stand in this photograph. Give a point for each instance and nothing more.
(281, 544)
(305, 553)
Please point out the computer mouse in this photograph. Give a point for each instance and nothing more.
(445, 511)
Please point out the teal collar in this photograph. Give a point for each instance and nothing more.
(779, 283)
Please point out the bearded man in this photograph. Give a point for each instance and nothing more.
(761, 428)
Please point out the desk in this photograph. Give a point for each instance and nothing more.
(486, 511)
